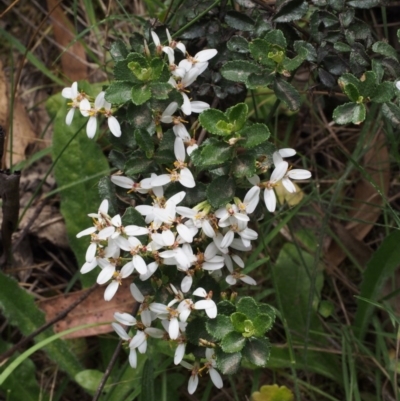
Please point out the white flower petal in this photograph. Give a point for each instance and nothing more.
(160, 180)
(91, 252)
(205, 55)
(88, 231)
(186, 284)
(173, 330)
(123, 182)
(216, 378)
(198, 106)
(125, 318)
(287, 152)
(186, 178)
(105, 274)
(133, 358)
(179, 149)
(114, 126)
(186, 107)
(111, 290)
(70, 116)
(139, 264)
(179, 353)
(299, 174)
(136, 293)
(120, 331)
(193, 383)
(91, 127)
(84, 107)
(270, 199)
(248, 280)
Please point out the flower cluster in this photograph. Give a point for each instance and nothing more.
(173, 247)
(79, 100)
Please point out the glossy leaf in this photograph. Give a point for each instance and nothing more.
(237, 115)
(145, 142)
(364, 3)
(216, 196)
(238, 320)
(255, 135)
(259, 49)
(291, 11)
(239, 70)
(287, 93)
(239, 21)
(383, 93)
(119, 92)
(244, 165)
(140, 94)
(227, 364)
(233, 342)
(257, 351)
(248, 306)
(392, 112)
(352, 92)
(238, 44)
(349, 113)
(220, 326)
(209, 120)
(118, 50)
(385, 49)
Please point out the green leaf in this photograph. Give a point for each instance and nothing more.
(263, 80)
(248, 306)
(138, 163)
(160, 90)
(257, 351)
(385, 49)
(226, 308)
(244, 165)
(342, 47)
(368, 84)
(276, 37)
(392, 113)
(346, 79)
(220, 326)
(227, 364)
(26, 374)
(119, 92)
(239, 21)
(347, 17)
(294, 63)
(233, 342)
(364, 3)
(377, 68)
(292, 281)
(145, 142)
(212, 153)
(156, 67)
(107, 191)
(380, 267)
(140, 116)
(337, 5)
(238, 44)
(259, 49)
(90, 379)
(287, 94)
(118, 50)
(209, 120)
(123, 73)
(237, 115)
(238, 320)
(291, 11)
(140, 94)
(349, 113)
(196, 330)
(216, 196)
(132, 217)
(352, 92)
(262, 323)
(383, 93)
(148, 383)
(273, 393)
(255, 135)
(238, 70)
(19, 308)
(311, 52)
(77, 172)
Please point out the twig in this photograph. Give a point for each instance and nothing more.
(112, 360)
(60, 316)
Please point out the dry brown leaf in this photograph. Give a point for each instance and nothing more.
(73, 58)
(23, 133)
(366, 206)
(93, 309)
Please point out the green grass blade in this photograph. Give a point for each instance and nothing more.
(383, 263)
